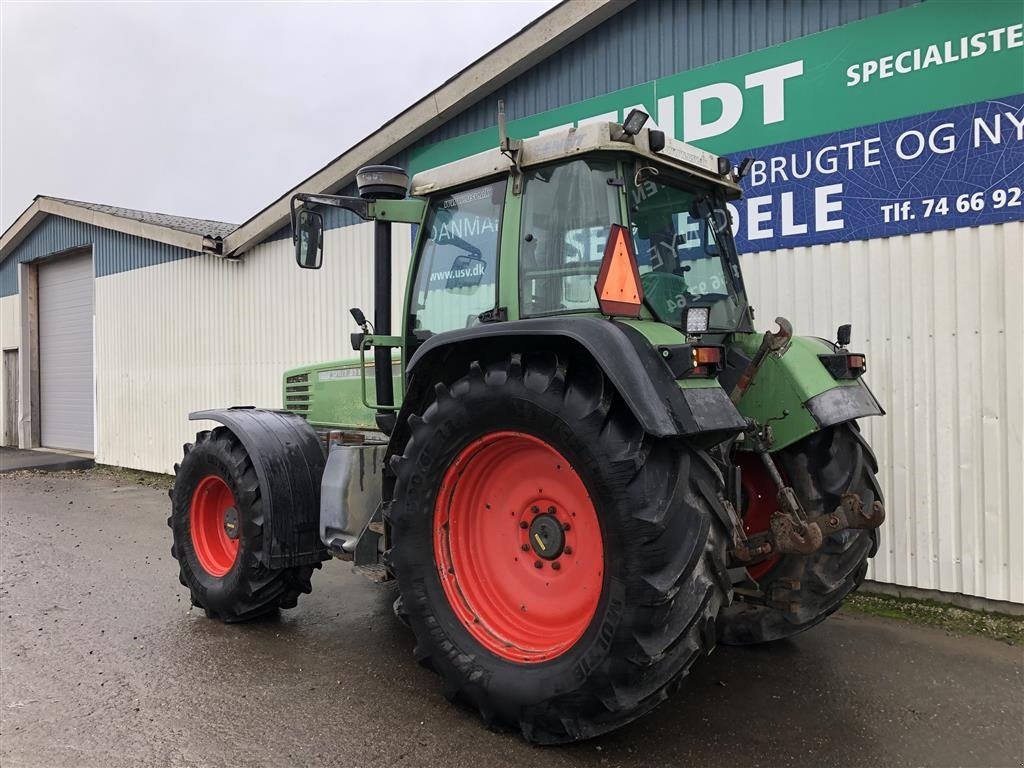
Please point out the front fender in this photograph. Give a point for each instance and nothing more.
(797, 382)
(289, 462)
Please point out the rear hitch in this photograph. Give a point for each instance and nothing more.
(790, 535)
(791, 532)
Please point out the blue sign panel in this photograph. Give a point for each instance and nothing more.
(958, 167)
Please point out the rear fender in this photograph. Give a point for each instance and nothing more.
(797, 383)
(631, 362)
(289, 462)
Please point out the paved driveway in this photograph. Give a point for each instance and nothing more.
(103, 663)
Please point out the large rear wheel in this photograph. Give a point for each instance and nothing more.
(803, 591)
(560, 568)
(217, 525)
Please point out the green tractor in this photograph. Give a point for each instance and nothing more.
(580, 462)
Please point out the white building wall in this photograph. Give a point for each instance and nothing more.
(940, 317)
(207, 333)
(10, 331)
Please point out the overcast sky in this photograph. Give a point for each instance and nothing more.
(213, 110)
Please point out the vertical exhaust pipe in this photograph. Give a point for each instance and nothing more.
(382, 310)
(382, 182)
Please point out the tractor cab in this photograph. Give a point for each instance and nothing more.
(526, 237)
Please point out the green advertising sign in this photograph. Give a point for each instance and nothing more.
(940, 54)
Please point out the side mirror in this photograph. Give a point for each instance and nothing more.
(309, 241)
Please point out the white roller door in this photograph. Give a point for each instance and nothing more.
(65, 353)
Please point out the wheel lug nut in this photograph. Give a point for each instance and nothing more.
(535, 509)
(566, 526)
(523, 524)
(568, 550)
(538, 564)
(551, 510)
(556, 566)
(525, 547)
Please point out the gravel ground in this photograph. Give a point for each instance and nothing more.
(104, 663)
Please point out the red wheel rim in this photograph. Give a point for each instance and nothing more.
(759, 504)
(213, 511)
(503, 497)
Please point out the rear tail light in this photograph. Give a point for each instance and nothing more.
(707, 362)
(707, 356)
(845, 365)
(693, 361)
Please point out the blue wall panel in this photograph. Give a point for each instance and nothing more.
(651, 39)
(112, 251)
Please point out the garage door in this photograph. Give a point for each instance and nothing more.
(65, 353)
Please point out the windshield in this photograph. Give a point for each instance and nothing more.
(685, 252)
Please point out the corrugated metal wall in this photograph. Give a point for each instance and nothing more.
(220, 333)
(112, 251)
(940, 317)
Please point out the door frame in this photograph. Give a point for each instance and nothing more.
(9, 437)
(29, 423)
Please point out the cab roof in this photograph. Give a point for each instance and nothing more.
(568, 143)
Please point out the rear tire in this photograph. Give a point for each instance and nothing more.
(221, 569)
(662, 579)
(820, 468)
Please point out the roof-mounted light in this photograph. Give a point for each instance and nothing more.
(634, 122)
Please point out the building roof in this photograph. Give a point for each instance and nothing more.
(201, 235)
(206, 227)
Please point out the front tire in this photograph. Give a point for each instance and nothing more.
(217, 525)
(501, 460)
(805, 590)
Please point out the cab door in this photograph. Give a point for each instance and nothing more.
(456, 275)
(555, 234)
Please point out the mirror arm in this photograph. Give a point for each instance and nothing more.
(357, 205)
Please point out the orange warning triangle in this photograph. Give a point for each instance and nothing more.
(618, 283)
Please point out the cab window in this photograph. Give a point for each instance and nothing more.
(568, 210)
(457, 270)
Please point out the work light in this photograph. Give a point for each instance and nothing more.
(634, 121)
(696, 320)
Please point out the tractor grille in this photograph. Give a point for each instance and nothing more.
(296, 394)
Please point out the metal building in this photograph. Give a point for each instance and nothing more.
(888, 140)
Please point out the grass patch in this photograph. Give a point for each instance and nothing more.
(998, 626)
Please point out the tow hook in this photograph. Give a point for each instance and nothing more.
(790, 535)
